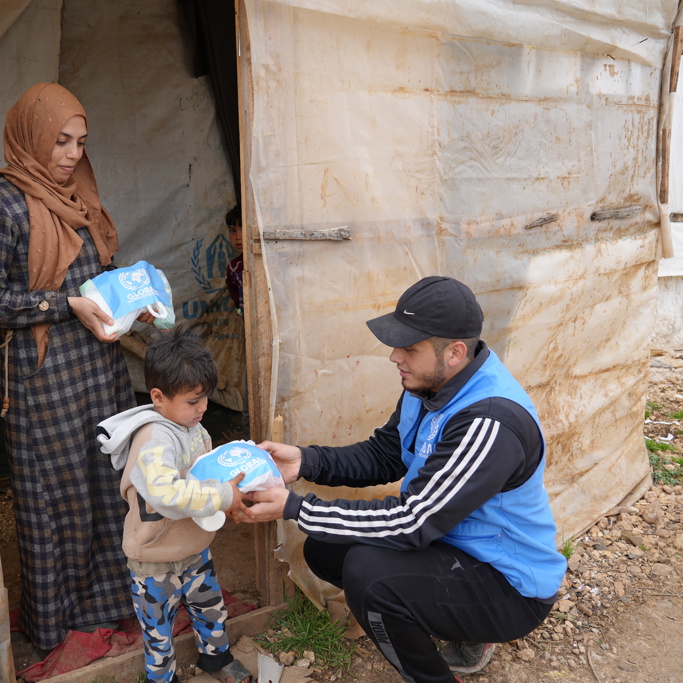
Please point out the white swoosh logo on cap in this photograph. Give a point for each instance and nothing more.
(407, 313)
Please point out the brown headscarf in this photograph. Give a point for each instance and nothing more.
(55, 211)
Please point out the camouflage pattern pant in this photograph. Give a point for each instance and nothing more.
(157, 599)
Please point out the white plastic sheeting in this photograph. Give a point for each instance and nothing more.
(441, 133)
(667, 332)
(626, 29)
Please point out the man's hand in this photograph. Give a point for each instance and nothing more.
(269, 505)
(287, 458)
(92, 317)
(239, 512)
(237, 509)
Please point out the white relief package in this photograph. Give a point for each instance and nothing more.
(225, 463)
(125, 293)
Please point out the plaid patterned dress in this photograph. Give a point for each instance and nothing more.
(69, 511)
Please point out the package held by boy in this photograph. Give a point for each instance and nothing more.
(227, 461)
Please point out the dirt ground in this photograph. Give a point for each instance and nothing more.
(620, 614)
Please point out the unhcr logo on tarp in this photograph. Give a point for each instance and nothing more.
(209, 266)
(216, 258)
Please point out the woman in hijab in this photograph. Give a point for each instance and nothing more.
(62, 374)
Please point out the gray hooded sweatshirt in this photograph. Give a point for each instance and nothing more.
(155, 454)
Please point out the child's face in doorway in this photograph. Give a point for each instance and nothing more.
(235, 237)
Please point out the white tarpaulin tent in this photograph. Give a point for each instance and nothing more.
(516, 145)
(486, 140)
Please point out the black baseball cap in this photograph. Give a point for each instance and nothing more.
(436, 306)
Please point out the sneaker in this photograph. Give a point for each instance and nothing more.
(467, 658)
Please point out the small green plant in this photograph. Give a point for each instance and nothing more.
(677, 415)
(302, 626)
(561, 616)
(141, 678)
(650, 407)
(654, 446)
(567, 548)
(666, 470)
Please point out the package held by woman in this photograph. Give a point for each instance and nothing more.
(125, 293)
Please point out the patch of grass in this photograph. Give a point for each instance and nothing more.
(651, 407)
(666, 470)
(302, 626)
(677, 415)
(567, 548)
(654, 446)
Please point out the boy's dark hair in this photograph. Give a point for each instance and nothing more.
(234, 216)
(177, 361)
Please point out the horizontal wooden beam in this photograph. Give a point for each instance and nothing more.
(623, 212)
(543, 220)
(340, 233)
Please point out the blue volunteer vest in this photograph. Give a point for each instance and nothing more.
(514, 531)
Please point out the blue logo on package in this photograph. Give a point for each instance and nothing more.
(131, 288)
(227, 461)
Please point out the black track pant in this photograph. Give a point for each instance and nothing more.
(401, 598)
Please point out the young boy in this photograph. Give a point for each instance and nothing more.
(233, 276)
(168, 553)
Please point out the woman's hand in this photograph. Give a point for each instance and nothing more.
(287, 458)
(92, 317)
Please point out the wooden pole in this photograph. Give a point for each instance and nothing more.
(258, 323)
